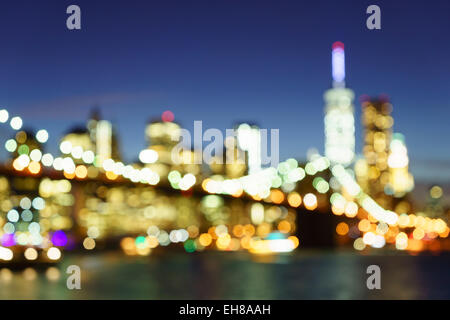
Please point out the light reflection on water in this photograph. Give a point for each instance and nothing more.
(215, 275)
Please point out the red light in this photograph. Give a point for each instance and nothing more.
(337, 45)
(167, 116)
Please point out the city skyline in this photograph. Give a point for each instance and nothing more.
(217, 150)
(274, 90)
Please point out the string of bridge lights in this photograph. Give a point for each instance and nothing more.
(385, 218)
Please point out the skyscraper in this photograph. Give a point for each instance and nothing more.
(249, 140)
(377, 122)
(164, 136)
(339, 119)
(401, 180)
(98, 137)
(103, 136)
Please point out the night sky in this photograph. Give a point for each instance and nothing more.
(267, 62)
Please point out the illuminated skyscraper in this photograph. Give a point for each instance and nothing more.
(164, 136)
(377, 122)
(235, 166)
(401, 181)
(231, 163)
(163, 133)
(339, 118)
(97, 137)
(102, 134)
(249, 140)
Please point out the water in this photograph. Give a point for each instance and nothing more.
(222, 275)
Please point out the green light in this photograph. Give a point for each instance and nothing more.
(140, 241)
(296, 174)
(23, 149)
(174, 185)
(316, 181)
(96, 162)
(322, 186)
(212, 201)
(276, 182)
(335, 197)
(310, 169)
(283, 168)
(174, 177)
(292, 163)
(189, 246)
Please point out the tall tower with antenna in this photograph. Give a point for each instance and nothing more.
(339, 113)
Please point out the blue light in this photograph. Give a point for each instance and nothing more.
(338, 63)
(275, 236)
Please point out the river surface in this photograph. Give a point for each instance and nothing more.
(223, 275)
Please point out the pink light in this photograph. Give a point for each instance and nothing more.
(8, 240)
(337, 45)
(168, 116)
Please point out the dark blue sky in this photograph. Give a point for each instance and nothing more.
(226, 61)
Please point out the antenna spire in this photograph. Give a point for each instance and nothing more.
(338, 64)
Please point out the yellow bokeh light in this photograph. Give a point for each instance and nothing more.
(89, 243)
(351, 209)
(249, 230)
(284, 226)
(364, 225)
(205, 239)
(418, 234)
(53, 253)
(294, 199)
(401, 241)
(276, 196)
(263, 230)
(223, 241)
(294, 240)
(69, 175)
(111, 175)
(81, 172)
(34, 167)
(310, 201)
(342, 229)
(31, 254)
(238, 230)
(436, 192)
